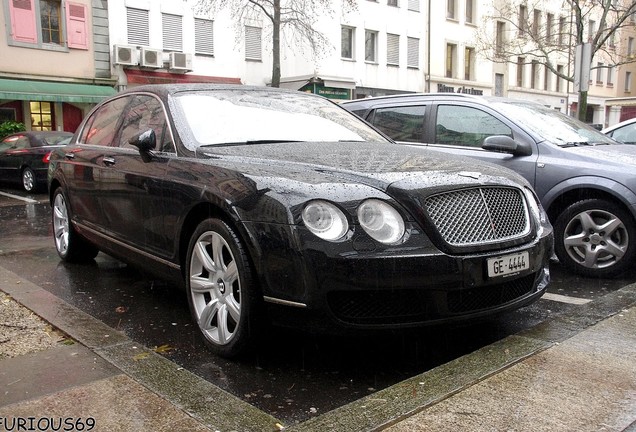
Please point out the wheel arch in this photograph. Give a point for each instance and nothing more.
(206, 210)
(573, 190)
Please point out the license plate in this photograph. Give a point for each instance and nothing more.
(508, 264)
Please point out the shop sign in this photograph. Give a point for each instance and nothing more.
(443, 88)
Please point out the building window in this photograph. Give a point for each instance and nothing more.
(558, 78)
(630, 46)
(346, 43)
(499, 84)
(546, 78)
(392, 3)
(371, 46)
(50, 19)
(549, 30)
(591, 30)
(470, 13)
(41, 116)
(599, 73)
(562, 31)
(138, 28)
(521, 61)
(534, 74)
(523, 21)
(500, 37)
(58, 27)
(450, 9)
(393, 49)
(413, 52)
(610, 76)
(414, 5)
(628, 82)
(451, 60)
(203, 36)
(469, 63)
(536, 23)
(253, 43)
(172, 27)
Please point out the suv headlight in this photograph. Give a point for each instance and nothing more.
(381, 221)
(535, 206)
(325, 220)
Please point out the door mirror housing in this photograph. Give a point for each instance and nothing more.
(145, 141)
(505, 144)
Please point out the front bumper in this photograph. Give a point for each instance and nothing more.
(326, 285)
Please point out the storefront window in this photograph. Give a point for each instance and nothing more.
(41, 116)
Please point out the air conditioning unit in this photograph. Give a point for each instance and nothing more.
(126, 55)
(180, 61)
(151, 58)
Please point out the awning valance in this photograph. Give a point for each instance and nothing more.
(53, 91)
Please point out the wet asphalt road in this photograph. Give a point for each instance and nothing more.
(292, 375)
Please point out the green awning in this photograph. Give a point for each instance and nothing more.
(53, 91)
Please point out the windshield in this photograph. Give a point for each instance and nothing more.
(552, 125)
(247, 116)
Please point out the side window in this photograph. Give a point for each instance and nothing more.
(466, 126)
(145, 112)
(625, 134)
(401, 123)
(102, 127)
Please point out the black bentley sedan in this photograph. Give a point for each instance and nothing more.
(281, 206)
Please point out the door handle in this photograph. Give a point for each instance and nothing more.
(107, 160)
(69, 155)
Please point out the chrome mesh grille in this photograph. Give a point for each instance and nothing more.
(480, 215)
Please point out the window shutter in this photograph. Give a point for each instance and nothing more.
(252, 43)
(172, 32)
(76, 26)
(204, 36)
(413, 52)
(23, 21)
(137, 26)
(414, 5)
(392, 49)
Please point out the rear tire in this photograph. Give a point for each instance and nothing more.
(70, 246)
(28, 180)
(595, 238)
(221, 289)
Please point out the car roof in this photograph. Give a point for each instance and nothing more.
(166, 89)
(433, 97)
(619, 125)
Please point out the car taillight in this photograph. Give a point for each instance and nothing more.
(47, 157)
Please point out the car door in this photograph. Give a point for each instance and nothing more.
(461, 129)
(132, 191)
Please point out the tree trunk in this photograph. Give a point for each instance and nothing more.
(276, 45)
(581, 107)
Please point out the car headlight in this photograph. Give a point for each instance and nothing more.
(325, 220)
(381, 221)
(535, 206)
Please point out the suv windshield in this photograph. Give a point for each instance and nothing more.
(231, 117)
(552, 125)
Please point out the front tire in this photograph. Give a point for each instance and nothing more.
(221, 289)
(595, 238)
(68, 244)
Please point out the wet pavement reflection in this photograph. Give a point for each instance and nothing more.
(292, 376)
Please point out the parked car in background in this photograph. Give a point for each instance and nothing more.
(624, 132)
(280, 205)
(24, 157)
(585, 180)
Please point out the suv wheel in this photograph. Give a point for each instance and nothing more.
(596, 238)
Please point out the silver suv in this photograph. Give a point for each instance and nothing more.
(585, 180)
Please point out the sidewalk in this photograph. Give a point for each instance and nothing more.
(572, 373)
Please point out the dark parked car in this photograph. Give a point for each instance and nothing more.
(280, 205)
(623, 132)
(24, 157)
(586, 181)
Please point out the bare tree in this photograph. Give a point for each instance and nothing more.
(536, 35)
(292, 21)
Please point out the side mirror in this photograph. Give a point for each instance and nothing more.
(505, 144)
(144, 141)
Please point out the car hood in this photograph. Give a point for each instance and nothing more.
(379, 165)
(616, 154)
